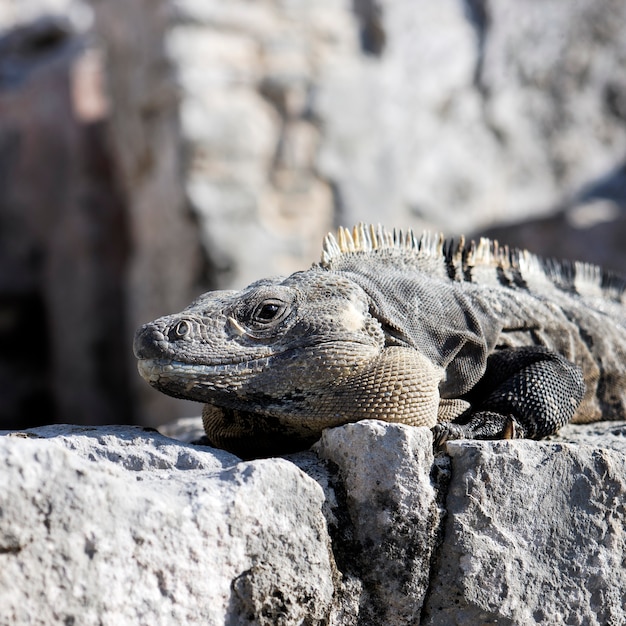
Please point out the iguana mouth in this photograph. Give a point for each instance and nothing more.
(154, 370)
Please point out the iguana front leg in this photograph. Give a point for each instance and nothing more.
(525, 392)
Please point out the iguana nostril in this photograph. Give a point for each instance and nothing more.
(147, 343)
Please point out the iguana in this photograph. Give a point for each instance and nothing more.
(471, 340)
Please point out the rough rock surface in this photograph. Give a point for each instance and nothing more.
(391, 515)
(114, 525)
(124, 526)
(535, 534)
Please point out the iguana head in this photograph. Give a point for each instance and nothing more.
(283, 359)
(251, 345)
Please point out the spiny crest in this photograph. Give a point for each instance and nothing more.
(461, 259)
(367, 237)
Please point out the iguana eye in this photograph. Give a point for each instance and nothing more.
(261, 312)
(268, 311)
(182, 329)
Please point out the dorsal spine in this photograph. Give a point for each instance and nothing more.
(461, 258)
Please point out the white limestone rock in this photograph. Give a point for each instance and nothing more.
(115, 525)
(122, 526)
(534, 534)
(391, 515)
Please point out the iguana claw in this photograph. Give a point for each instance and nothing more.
(482, 425)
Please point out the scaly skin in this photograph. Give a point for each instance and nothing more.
(302, 355)
(473, 342)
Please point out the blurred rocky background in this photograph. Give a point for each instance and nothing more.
(153, 149)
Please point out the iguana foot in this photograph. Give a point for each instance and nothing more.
(482, 425)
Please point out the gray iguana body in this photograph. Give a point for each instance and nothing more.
(475, 341)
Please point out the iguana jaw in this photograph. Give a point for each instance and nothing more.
(199, 382)
(191, 380)
(278, 380)
(396, 384)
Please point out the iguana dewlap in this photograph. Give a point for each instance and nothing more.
(477, 341)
